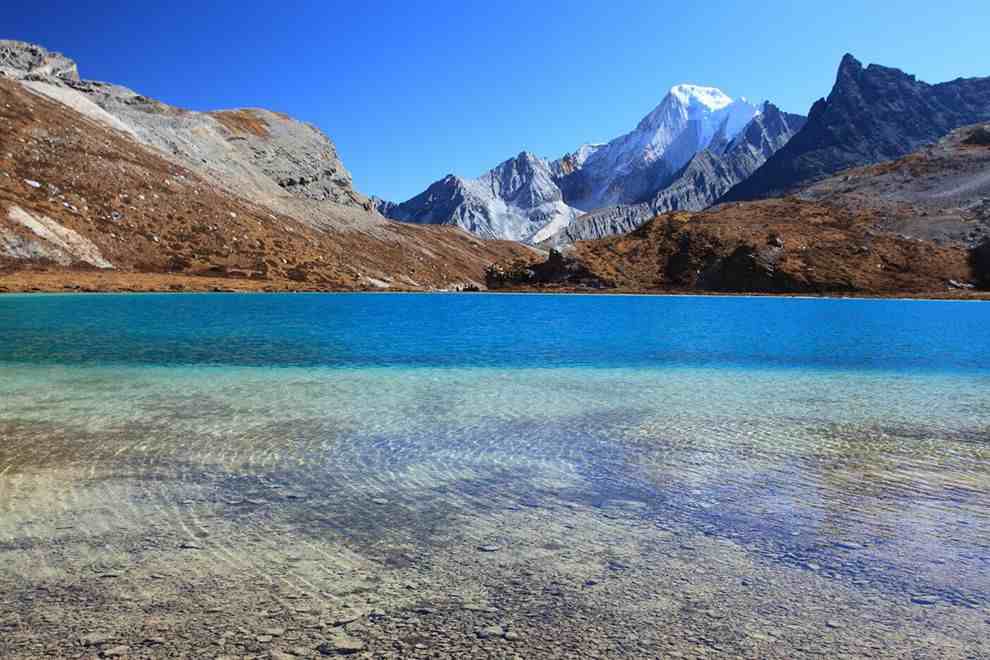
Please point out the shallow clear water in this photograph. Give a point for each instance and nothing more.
(836, 449)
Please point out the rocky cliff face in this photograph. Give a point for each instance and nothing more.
(705, 178)
(873, 114)
(28, 61)
(299, 157)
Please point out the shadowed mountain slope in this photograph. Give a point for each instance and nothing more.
(873, 114)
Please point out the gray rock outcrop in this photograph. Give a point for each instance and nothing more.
(19, 59)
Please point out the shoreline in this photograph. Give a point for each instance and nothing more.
(95, 282)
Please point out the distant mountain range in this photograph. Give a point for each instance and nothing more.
(697, 148)
(531, 199)
(920, 223)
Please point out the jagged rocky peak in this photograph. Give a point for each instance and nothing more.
(710, 97)
(21, 60)
(633, 166)
(849, 70)
(712, 108)
(852, 75)
(515, 200)
(873, 114)
(525, 180)
(769, 130)
(570, 163)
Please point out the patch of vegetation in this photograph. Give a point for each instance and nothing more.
(242, 121)
(498, 276)
(557, 270)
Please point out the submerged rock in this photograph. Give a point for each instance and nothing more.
(95, 639)
(341, 646)
(490, 632)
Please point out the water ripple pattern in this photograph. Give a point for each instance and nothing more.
(342, 453)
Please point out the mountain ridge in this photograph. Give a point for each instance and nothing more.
(920, 223)
(872, 114)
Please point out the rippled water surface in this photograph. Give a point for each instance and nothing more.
(480, 476)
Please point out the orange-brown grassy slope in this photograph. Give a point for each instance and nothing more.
(146, 215)
(783, 245)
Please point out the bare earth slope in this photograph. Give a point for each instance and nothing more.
(266, 208)
(940, 192)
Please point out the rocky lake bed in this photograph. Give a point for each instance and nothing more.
(164, 494)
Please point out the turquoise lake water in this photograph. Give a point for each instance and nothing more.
(844, 442)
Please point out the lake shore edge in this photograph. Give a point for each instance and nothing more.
(22, 282)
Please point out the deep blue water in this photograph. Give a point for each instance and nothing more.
(463, 330)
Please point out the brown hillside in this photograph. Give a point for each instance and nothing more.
(76, 195)
(784, 246)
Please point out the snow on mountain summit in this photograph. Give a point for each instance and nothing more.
(528, 198)
(636, 164)
(710, 97)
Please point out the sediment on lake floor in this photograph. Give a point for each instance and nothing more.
(225, 516)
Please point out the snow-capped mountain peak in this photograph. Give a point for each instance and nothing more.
(709, 97)
(633, 165)
(528, 198)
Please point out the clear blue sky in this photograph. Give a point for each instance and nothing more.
(411, 91)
